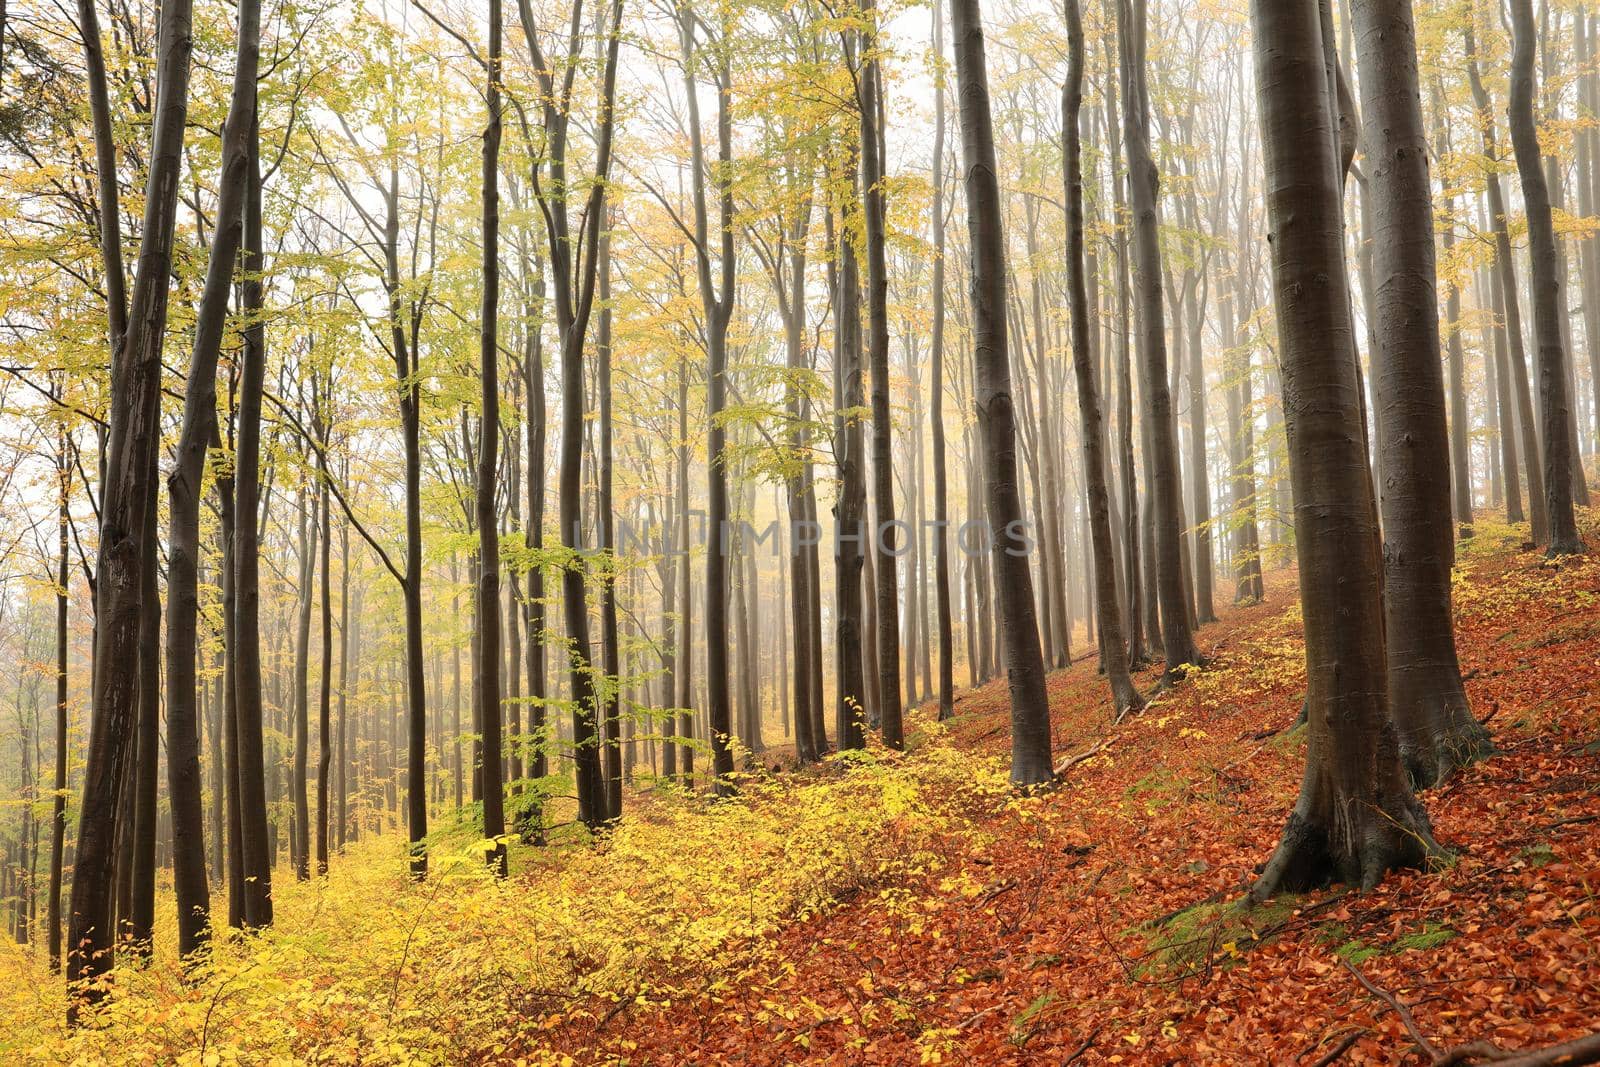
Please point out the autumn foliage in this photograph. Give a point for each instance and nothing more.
(896, 908)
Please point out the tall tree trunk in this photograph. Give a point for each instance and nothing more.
(610, 656)
(1505, 417)
(671, 654)
(1132, 557)
(58, 806)
(1057, 628)
(325, 681)
(141, 915)
(1589, 182)
(717, 298)
(257, 849)
(574, 284)
(685, 637)
(1545, 285)
(300, 839)
(227, 770)
(342, 758)
(849, 510)
(1510, 307)
(1205, 599)
(1177, 637)
(1091, 427)
(494, 818)
(1356, 817)
(1030, 711)
(1554, 183)
(198, 432)
(941, 505)
(127, 498)
(883, 546)
(792, 295)
(1460, 429)
(533, 608)
(1437, 731)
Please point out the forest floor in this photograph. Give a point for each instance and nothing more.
(909, 908)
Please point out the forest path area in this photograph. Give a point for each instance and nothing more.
(1097, 924)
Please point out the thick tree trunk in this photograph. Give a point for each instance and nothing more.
(1545, 285)
(1030, 711)
(1438, 733)
(1356, 817)
(1091, 428)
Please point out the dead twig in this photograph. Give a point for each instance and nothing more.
(1428, 1048)
(1088, 1043)
(1338, 1050)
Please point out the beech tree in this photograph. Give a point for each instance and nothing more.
(573, 261)
(1177, 635)
(199, 431)
(886, 602)
(1114, 651)
(126, 519)
(1437, 730)
(717, 295)
(941, 505)
(1546, 284)
(1030, 713)
(494, 818)
(1356, 818)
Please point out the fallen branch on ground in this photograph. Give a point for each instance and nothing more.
(1572, 1053)
(1072, 761)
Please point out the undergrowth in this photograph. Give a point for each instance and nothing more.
(367, 966)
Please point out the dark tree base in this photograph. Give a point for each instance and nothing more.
(1451, 741)
(1125, 699)
(1565, 546)
(1357, 850)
